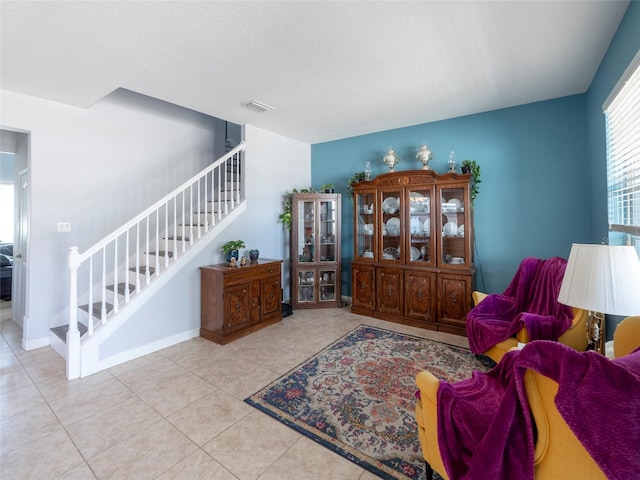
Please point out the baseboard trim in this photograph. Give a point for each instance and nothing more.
(147, 349)
(35, 343)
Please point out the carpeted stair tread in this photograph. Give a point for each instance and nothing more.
(142, 269)
(121, 287)
(61, 331)
(97, 308)
(162, 253)
(178, 238)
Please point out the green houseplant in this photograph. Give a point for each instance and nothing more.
(357, 178)
(472, 167)
(230, 249)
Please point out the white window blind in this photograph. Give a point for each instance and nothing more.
(622, 117)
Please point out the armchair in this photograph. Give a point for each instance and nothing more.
(574, 402)
(527, 310)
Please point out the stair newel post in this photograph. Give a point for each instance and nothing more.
(73, 334)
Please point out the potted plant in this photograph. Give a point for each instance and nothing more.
(472, 167)
(230, 249)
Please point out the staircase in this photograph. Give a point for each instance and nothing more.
(113, 278)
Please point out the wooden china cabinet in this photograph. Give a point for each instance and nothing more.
(315, 250)
(413, 249)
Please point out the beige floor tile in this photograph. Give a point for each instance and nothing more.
(175, 393)
(247, 453)
(250, 382)
(146, 373)
(42, 459)
(14, 378)
(85, 402)
(102, 431)
(197, 466)
(208, 417)
(311, 461)
(81, 472)
(197, 352)
(225, 370)
(27, 427)
(49, 367)
(39, 355)
(60, 389)
(278, 359)
(145, 455)
(19, 401)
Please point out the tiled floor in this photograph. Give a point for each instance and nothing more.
(174, 414)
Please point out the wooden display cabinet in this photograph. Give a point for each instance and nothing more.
(236, 301)
(413, 249)
(315, 250)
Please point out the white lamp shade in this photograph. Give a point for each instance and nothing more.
(602, 278)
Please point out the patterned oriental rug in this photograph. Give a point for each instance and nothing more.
(356, 397)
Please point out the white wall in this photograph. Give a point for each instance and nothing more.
(98, 167)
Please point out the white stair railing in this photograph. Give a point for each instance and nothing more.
(102, 274)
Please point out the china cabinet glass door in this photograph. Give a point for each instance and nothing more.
(451, 227)
(421, 248)
(306, 286)
(327, 231)
(391, 225)
(306, 231)
(365, 236)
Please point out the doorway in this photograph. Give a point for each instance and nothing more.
(14, 176)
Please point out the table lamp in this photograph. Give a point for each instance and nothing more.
(602, 279)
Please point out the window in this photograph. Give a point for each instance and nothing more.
(622, 117)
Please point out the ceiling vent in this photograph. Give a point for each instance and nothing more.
(257, 106)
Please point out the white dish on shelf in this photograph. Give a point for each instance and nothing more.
(393, 226)
(390, 205)
(391, 253)
(450, 229)
(461, 230)
(455, 202)
(367, 228)
(456, 261)
(415, 254)
(426, 228)
(367, 254)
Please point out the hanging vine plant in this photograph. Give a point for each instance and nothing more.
(357, 178)
(285, 217)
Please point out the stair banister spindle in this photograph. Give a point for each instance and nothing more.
(175, 227)
(184, 235)
(137, 252)
(206, 195)
(147, 274)
(198, 200)
(126, 270)
(157, 242)
(166, 234)
(233, 181)
(90, 321)
(116, 304)
(73, 334)
(191, 210)
(103, 311)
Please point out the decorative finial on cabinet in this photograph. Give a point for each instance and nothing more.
(424, 155)
(391, 159)
(452, 162)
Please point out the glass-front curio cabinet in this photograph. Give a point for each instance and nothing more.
(413, 256)
(315, 250)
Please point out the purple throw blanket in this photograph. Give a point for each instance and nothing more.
(530, 300)
(485, 425)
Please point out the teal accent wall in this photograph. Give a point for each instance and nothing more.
(534, 195)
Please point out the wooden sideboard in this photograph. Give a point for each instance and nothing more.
(236, 301)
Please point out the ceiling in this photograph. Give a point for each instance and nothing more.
(329, 69)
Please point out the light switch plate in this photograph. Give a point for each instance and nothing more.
(64, 227)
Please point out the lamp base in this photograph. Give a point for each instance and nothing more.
(596, 331)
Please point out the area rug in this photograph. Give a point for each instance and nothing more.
(357, 396)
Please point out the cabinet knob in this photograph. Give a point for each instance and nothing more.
(389, 291)
(419, 294)
(454, 298)
(363, 286)
(238, 306)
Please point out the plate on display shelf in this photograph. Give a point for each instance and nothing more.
(450, 229)
(393, 226)
(415, 254)
(390, 205)
(426, 228)
(457, 203)
(391, 253)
